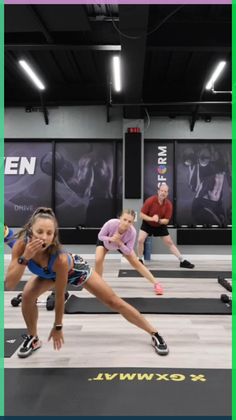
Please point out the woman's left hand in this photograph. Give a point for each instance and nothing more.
(57, 337)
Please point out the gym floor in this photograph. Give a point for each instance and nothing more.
(198, 343)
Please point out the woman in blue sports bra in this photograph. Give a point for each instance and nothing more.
(38, 247)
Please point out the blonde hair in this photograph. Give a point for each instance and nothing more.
(41, 213)
(128, 211)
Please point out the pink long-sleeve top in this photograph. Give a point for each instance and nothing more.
(128, 237)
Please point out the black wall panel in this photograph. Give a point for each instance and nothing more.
(133, 149)
(75, 236)
(204, 236)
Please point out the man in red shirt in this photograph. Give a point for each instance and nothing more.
(156, 213)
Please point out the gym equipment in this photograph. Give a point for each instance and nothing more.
(50, 302)
(148, 249)
(224, 283)
(181, 392)
(226, 299)
(77, 305)
(193, 274)
(16, 300)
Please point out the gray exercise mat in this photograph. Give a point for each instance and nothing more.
(118, 391)
(77, 305)
(191, 274)
(12, 340)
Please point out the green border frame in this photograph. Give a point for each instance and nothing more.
(1, 207)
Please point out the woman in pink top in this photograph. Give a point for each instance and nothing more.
(120, 234)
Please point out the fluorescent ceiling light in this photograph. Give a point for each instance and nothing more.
(116, 73)
(31, 74)
(215, 75)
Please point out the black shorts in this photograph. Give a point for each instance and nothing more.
(154, 231)
(100, 243)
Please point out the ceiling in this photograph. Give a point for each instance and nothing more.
(167, 53)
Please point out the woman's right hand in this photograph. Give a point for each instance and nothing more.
(115, 238)
(57, 338)
(32, 248)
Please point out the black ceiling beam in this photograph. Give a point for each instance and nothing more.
(104, 102)
(169, 111)
(192, 33)
(41, 24)
(173, 103)
(45, 111)
(53, 103)
(58, 47)
(201, 93)
(133, 30)
(189, 48)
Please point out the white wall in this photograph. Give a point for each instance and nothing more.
(64, 122)
(179, 128)
(90, 122)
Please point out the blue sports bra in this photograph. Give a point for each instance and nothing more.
(46, 272)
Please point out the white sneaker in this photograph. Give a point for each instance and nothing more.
(29, 345)
(159, 344)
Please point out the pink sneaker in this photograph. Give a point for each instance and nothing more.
(158, 289)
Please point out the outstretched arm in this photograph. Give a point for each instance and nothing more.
(61, 268)
(15, 270)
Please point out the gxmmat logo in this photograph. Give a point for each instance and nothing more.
(161, 165)
(165, 377)
(15, 165)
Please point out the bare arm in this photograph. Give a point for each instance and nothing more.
(154, 218)
(104, 232)
(61, 268)
(164, 221)
(15, 270)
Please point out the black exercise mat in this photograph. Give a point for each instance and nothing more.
(12, 340)
(77, 305)
(118, 391)
(192, 274)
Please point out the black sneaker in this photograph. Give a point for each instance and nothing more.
(141, 260)
(29, 345)
(159, 344)
(186, 264)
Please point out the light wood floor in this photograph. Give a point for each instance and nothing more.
(195, 341)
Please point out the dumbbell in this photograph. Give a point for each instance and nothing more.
(223, 282)
(16, 300)
(225, 299)
(50, 302)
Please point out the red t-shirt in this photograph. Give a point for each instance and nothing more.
(152, 206)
